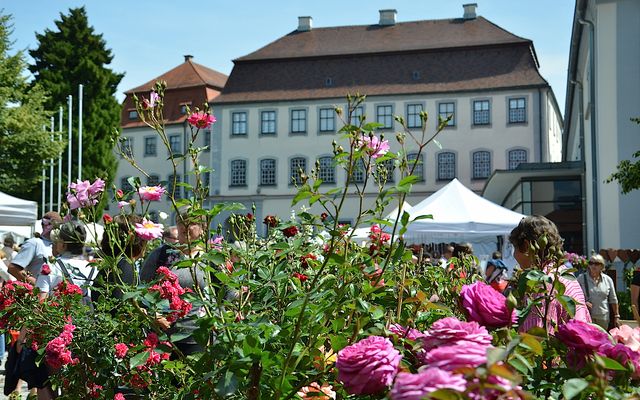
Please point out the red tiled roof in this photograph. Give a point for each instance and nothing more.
(187, 74)
(403, 36)
(446, 70)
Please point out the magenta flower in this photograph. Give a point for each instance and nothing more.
(374, 146)
(96, 188)
(418, 386)
(409, 333)
(122, 204)
(368, 366)
(582, 336)
(121, 350)
(486, 306)
(624, 355)
(460, 355)
(449, 331)
(151, 102)
(151, 193)
(84, 194)
(148, 230)
(201, 120)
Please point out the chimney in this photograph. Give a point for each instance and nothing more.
(187, 57)
(469, 11)
(304, 24)
(387, 17)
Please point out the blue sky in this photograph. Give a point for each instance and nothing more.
(150, 37)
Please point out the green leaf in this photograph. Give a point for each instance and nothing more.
(228, 385)
(568, 303)
(419, 217)
(611, 364)
(138, 359)
(408, 180)
(573, 387)
(301, 195)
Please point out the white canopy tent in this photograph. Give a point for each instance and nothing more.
(17, 216)
(363, 233)
(460, 215)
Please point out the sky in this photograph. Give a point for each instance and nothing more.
(150, 37)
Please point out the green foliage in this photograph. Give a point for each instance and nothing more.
(23, 142)
(628, 171)
(74, 54)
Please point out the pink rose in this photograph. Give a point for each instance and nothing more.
(628, 336)
(451, 330)
(374, 146)
(368, 366)
(459, 355)
(624, 355)
(46, 270)
(582, 336)
(486, 306)
(409, 333)
(151, 193)
(494, 388)
(417, 386)
(201, 120)
(148, 230)
(121, 350)
(119, 396)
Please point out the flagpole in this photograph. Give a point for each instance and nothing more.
(51, 167)
(44, 180)
(70, 148)
(80, 87)
(60, 160)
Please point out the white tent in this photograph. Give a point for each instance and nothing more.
(17, 216)
(460, 215)
(363, 233)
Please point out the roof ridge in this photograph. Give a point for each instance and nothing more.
(193, 65)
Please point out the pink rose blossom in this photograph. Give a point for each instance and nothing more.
(451, 330)
(57, 355)
(84, 194)
(122, 204)
(496, 389)
(151, 102)
(368, 366)
(324, 392)
(486, 306)
(121, 350)
(582, 336)
(462, 354)
(96, 188)
(418, 386)
(374, 146)
(151, 193)
(628, 336)
(624, 355)
(148, 230)
(45, 270)
(119, 396)
(409, 333)
(201, 120)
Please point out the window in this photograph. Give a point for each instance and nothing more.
(413, 116)
(481, 112)
(327, 172)
(358, 174)
(327, 120)
(153, 180)
(239, 123)
(125, 185)
(446, 166)
(268, 172)
(517, 111)
(481, 164)
(238, 173)
(175, 144)
(298, 121)
(413, 159)
(150, 146)
(133, 114)
(207, 140)
(127, 147)
(445, 110)
(298, 166)
(516, 157)
(183, 108)
(385, 171)
(384, 116)
(355, 115)
(268, 122)
(177, 194)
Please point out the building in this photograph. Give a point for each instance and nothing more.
(603, 94)
(188, 85)
(276, 112)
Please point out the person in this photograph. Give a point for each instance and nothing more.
(8, 248)
(26, 265)
(190, 233)
(124, 248)
(496, 274)
(600, 293)
(635, 296)
(528, 231)
(170, 234)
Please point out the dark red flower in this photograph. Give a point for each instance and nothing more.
(249, 217)
(290, 231)
(304, 259)
(107, 219)
(324, 216)
(45, 270)
(300, 276)
(271, 221)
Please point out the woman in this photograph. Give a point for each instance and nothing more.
(600, 293)
(523, 236)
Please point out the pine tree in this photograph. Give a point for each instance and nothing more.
(24, 143)
(71, 55)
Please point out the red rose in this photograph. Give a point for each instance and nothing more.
(271, 221)
(249, 217)
(106, 218)
(46, 270)
(290, 231)
(324, 216)
(300, 276)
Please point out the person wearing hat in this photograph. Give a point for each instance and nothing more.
(26, 265)
(600, 294)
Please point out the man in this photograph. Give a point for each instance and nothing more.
(35, 252)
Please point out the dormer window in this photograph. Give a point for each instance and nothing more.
(328, 81)
(133, 114)
(415, 75)
(184, 107)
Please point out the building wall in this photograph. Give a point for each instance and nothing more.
(463, 139)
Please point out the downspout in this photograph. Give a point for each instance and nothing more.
(592, 112)
(540, 119)
(583, 164)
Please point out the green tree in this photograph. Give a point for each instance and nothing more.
(23, 142)
(74, 54)
(628, 172)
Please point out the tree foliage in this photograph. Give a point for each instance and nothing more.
(628, 171)
(23, 142)
(74, 54)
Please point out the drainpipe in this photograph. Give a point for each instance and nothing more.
(592, 108)
(540, 129)
(583, 165)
